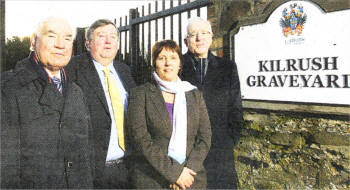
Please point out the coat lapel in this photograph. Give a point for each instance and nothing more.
(189, 74)
(190, 101)
(159, 103)
(188, 70)
(213, 70)
(91, 76)
(122, 75)
(52, 98)
(49, 95)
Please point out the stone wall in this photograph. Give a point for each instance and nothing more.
(286, 151)
(285, 146)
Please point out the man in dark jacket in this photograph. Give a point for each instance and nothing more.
(44, 118)
(218, 79)
(106, 84)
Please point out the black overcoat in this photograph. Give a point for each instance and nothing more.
(44, 134)
(82, 71)
(222, 95)
(150, 131)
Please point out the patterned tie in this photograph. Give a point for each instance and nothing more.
(58, 84)
(117, 104)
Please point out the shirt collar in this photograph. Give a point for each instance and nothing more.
(197, 60)
(51, 75)
(101, 67)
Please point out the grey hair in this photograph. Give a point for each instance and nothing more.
(39, 28)
(98, 23)
(197, 19)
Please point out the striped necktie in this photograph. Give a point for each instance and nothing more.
(117, 104)
(58, 84)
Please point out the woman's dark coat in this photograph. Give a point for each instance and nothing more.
(150, 131)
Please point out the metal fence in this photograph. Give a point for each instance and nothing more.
(140, 30)
(138, 36)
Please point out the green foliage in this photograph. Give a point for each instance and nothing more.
(17, 48)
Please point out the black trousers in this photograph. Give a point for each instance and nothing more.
(115, 176)
(221, 173)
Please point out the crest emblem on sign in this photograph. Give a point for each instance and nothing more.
(293, 20)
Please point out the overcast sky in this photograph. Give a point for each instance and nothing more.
(22, 16)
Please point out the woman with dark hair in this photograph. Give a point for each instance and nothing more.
(168, 127)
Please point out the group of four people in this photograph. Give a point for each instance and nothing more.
(86, 125)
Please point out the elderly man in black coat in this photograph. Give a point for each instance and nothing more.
(44, 118)
(218, 79)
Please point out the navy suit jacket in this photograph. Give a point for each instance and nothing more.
(81, 69)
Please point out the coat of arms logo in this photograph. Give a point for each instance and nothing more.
(293, 20)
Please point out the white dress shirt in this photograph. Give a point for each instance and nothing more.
(114, 150)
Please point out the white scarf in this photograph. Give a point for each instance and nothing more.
(178, 140)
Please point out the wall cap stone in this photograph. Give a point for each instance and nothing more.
(339, 111)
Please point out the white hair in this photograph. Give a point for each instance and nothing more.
(39, 29)
(197, 19)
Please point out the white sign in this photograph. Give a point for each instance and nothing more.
(301, 54)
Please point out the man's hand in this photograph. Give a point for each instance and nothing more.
(186, 178)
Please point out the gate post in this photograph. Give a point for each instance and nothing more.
(133, 44)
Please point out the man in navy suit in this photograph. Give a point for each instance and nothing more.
(109, 154)
(218, 79)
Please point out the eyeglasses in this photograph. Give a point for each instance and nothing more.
(193, 35)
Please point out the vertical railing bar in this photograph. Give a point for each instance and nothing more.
(149, 38)
(126, 59)
(163, 8)
(137, 46)
(180, 28)
(188, 12)
(156, 28)
(143, 46)
(131, 48)
(121, 58)
(171, 22)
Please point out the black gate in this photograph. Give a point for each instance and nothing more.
(139, 28)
